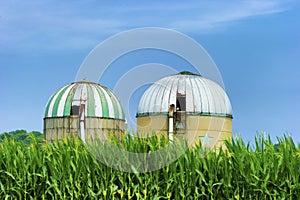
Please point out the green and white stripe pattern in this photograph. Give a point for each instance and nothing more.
(99, 101)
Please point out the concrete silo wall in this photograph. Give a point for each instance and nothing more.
(147, 125)
(216, 128)
(61, 127)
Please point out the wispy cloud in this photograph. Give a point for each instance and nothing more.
(222, 13)
(36, 24)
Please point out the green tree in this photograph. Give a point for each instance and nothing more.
(22, 135)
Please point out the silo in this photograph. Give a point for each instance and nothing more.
(187, 105)
(84, 109)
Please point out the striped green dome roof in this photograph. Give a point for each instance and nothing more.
(99, 101)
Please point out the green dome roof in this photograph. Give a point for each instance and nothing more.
(99, 101)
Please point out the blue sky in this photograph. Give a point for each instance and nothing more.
(255, 45)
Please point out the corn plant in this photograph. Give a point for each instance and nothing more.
(67, 170)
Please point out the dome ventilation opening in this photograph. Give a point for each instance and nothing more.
(187, 73)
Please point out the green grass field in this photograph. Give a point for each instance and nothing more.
(66, 170)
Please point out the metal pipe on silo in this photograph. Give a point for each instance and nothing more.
(171, 122)
(81, 123)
